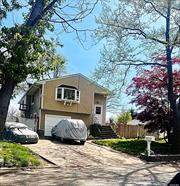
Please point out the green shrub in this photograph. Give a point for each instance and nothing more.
(124, 118)
(94, 129)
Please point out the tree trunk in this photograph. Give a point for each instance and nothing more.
(38, 11)
(171, 97)
(6, 92)
(176, 125)
(7, 88)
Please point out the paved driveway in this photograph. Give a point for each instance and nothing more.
(88, 165)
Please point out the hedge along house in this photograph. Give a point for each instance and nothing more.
(73, 96)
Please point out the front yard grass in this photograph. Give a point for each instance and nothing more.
(135, 146)
(17, 155)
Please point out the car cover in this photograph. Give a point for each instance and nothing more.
(14, 125)
(70, 129)
(19, 132)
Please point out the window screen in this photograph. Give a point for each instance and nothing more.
(69, 94)
(59, 93)
(77, 96)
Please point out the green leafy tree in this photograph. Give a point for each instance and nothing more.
(136, 30)
(124, 118)
(50, 66)
(23, 44)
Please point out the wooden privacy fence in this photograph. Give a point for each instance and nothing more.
(133, 131)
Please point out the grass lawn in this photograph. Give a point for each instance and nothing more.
(135, 146)
(17, 155)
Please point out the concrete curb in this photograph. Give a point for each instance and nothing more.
(27, 168)
(45, 159)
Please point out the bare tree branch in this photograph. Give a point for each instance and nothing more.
(125, 75)
(137, 32)
(176, 39)
(154, 7)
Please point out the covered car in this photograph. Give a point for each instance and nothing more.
(19, 133)
(71, 129)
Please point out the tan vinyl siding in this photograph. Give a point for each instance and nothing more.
(86, 95)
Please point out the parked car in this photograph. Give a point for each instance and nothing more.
(19, 133)
(70, 129)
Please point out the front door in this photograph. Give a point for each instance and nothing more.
(98, 114)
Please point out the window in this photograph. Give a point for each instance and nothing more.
(59, 93)
(69, 94)
(66, 93)
(77, 95)
(98, 110)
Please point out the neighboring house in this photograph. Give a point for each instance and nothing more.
(73, 96)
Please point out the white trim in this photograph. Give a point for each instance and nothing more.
(62, 96)
(79, 95)
(99, 117)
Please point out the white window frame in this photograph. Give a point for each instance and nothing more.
(77, 100)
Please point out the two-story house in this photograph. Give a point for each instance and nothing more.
(73, 96)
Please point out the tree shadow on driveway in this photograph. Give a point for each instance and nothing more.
(92, 165)
(155, 174)
(147, 174)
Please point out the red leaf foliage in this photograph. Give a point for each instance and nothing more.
(149, 91)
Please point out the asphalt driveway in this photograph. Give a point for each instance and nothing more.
(89, 165)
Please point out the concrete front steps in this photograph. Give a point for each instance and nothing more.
(106, 132)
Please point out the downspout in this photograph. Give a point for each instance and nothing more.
(79, 95)
(92, 111)
(42, 105)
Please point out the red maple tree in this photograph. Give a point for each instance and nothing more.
(149, 91)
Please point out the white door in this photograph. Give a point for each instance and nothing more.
(98, 113)
(51, 121)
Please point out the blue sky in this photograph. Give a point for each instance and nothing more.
(79, 59)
